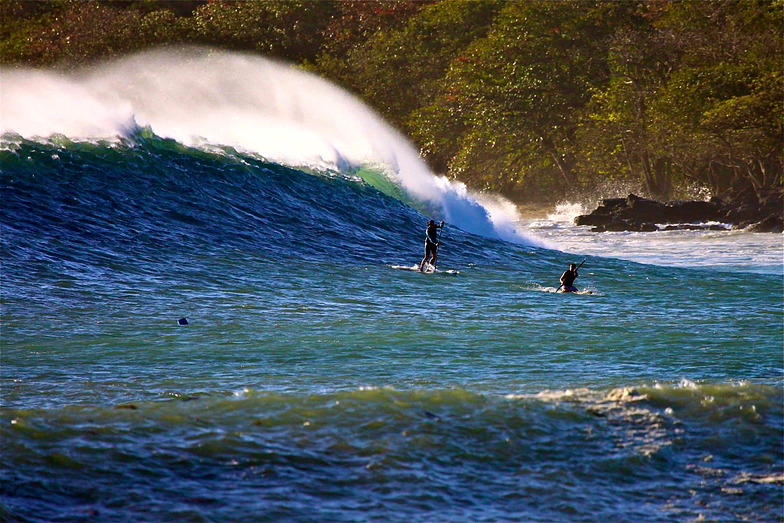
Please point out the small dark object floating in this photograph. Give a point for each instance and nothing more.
(182, 321)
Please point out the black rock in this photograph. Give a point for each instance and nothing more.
(643, 210)
(612, 204)
(693, 227)
(593, 219)
(773, 223)
(634, 213)
(692, 211)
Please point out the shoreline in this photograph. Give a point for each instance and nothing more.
(637, 214)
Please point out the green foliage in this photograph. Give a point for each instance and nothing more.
(289, 30)
(517, 94)
(719, 117)
(72, 32)
(537, 99)
(399, 68)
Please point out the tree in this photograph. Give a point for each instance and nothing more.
(290, 30)
(721, 114)
(71, 32)
(399, 69)
(519, 92)
(640, 61)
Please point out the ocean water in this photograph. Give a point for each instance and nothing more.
(316, 380)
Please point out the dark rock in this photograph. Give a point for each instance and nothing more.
(648, 227)
(693, 227)
(682, 227)
(635, 213)
(602, 215)
(692, 211)
(593, 219)
(612, 204)
(642, 209)
(773, 223)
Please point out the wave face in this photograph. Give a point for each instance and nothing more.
(163, 202)
(202, 97)
(155, 198)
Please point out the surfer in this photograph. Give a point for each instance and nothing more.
(431, 244)
(568, 277)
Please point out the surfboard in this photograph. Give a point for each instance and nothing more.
(429, 269)
(414, 268)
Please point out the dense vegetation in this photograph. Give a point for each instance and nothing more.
(536, 99)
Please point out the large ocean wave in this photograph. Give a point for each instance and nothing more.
(151, 199)
(206, 98)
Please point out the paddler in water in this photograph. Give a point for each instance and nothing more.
(431, 244)
(568, 277)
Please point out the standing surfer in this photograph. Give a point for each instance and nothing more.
(431, 244)
(568, 277)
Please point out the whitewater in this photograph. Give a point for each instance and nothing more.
(311, 379)
(724, 249)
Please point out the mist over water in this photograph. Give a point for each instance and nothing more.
(207, 98)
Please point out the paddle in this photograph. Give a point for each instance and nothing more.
(575, 270)
(438, 244)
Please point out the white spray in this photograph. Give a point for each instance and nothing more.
(201, 96)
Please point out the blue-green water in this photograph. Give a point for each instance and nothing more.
(316, 382)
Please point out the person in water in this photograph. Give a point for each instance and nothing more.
(568, 277)
(431, 244)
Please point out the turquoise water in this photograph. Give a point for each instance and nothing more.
(316, 382)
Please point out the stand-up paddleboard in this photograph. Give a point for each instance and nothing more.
(574, 292)
(429, 269)
(558, 290)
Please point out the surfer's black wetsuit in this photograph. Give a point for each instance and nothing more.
(431, 244)
(431, 240)
(567, 279)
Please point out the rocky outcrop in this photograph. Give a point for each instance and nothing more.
(634, 213)
(770, 224)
